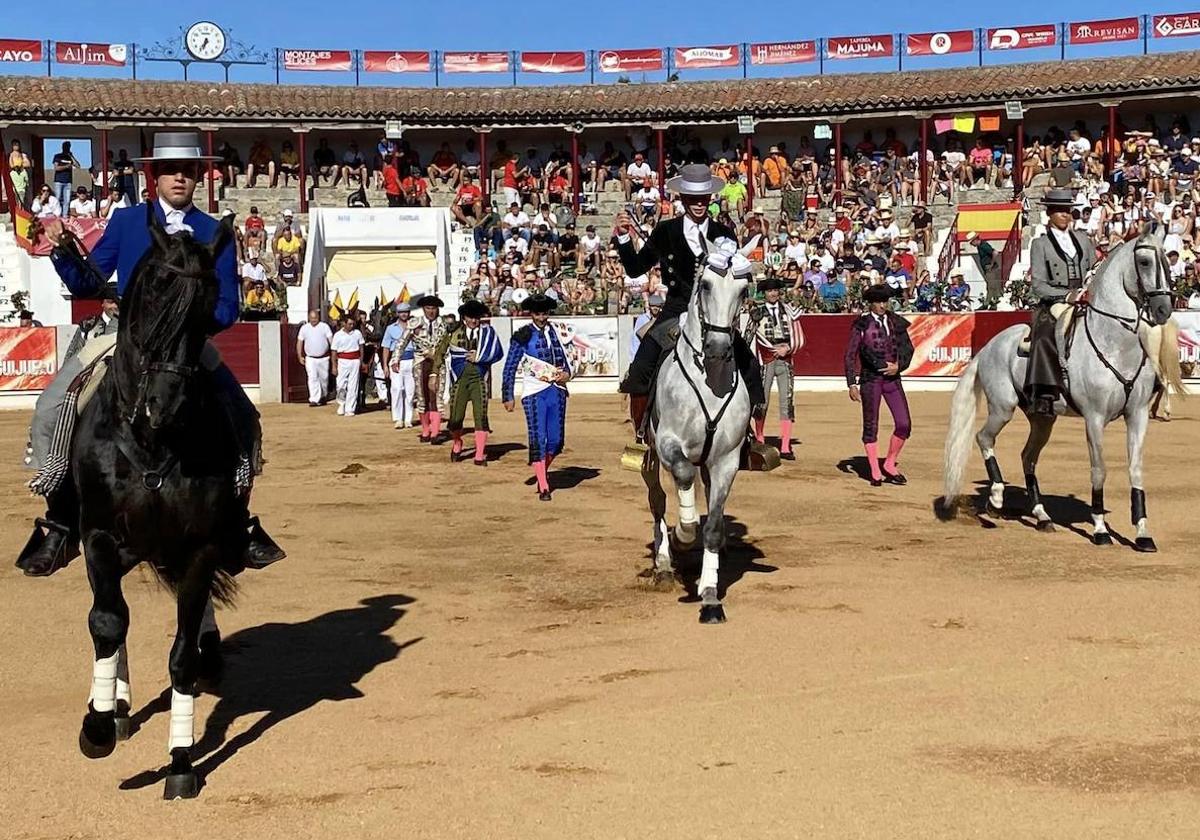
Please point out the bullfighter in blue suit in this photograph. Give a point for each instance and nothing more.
(473, 348)
(176, 165)
(543, 389)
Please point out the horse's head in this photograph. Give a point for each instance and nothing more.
(717, 298)
(168, 311)
(1149, 284)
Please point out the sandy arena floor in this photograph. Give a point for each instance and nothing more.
(442, 656)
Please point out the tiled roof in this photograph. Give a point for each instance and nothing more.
(829, 95)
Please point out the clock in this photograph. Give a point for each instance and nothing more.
(205, 41)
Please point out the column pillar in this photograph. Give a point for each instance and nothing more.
(485, 169)
(104, 168)
(302, 152)
(1019, 162)
(208, 172)
(837, 162)
(575, 182)
(923, 162)
(749, 172)
(1110, 157)
(659, 133)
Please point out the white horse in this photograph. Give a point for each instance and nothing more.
(1113, 360)
(700, 417)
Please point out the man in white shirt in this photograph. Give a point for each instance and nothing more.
(518, 220)
(252, 270)
(45, 206)
(1078, 147)
(636, 174)
(795, 250)
(347, 346)
(82, 205)
(516, 242)
(647, 200)
(589, 248)
(312, 349)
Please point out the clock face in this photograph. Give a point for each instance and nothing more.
(205, 41)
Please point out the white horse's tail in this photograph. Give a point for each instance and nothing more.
(958, 440)
(1169, 370)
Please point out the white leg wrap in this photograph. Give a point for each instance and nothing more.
(662, 545)
(183, 714)
(104, 683)
(1142, 531)
(209, 622)
(1098, 523)
(124, 692)
(1039, 512)
(708, 571)
(687, 505)
(997, 495)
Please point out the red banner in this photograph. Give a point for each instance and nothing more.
(1104, 31)
(1176, 26)
(317, 60)
(553, 62)
(790, 52)
(940, 43)
(475, 62)
(692, 58)
(88, 231)
(629, 61)
(1022, 37)
(382, 61)
(14, 49)
(941, 343)
(28, 358)
(860, 46)
(93, 55)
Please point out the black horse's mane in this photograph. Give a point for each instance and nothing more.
(162, 294)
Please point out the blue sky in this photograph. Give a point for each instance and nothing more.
(545, 25)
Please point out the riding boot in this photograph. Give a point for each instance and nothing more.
(54, 542)
(751, 373)
(637, 413)
(261, 550)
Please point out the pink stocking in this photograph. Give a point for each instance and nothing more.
(539, 470)
(457, 446)
(481, 446)
(785, 436)
(424, 424)
(435, 423)
(893, 453)
(760, 425)
(873, 460)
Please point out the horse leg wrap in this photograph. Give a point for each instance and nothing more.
(104, 683)
(1098, 501)
(687, 505)
(1137, 504)
(183, 713)
(993, 470)
(708, 571)
(124, 692)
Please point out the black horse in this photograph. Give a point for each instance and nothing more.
(153, 462)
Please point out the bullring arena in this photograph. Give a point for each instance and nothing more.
(440, 655)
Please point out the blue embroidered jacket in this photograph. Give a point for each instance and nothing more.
(530, 341)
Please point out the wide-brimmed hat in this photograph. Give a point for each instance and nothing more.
(695, 179)
(877, 294)
(430, 300)
(770, 284)
(176, 145)
(472, 309)
(539, 303)
(1059, 197)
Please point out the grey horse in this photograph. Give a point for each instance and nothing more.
(1113, 361)
(700, 417)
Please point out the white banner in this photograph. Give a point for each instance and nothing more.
(358, 227)
(590, 342)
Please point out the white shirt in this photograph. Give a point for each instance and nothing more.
(317, 340)
(250, 271)
(111, 206)
(101, 327)
(693, 232)
(591, 243)
(796, 251)
(518, 244)
(639, 171)
(890, 232)
(648, 196)
(546, 219)
(883, 322)
(518, 219)
(175, 218)
(84, 207)
(1079, 148)
(1065, 241)
(346, 342)
(43, 210)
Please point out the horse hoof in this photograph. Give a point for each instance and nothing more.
(181, 786)
(1145, 545)
(991, 510)
(712, 614)
(1102, 538)
(1045, 526)
(662, 580)
(123, 727)
(98, 734)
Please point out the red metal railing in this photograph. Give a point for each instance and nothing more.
(951, 249)
(1011, 252)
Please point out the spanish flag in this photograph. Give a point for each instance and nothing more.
(22, 219)
(336, 308)
(350, 307)
(404, 296)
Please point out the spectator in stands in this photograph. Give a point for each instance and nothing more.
(46, 205)
(958, 294)
(117, 200)
(444, 167)
(611, 166)
(636, 175)
(510, 179)
(391, 183)
(646, 201)
(353, 165)
(590, 247)
(415, 189)
(260, 299)
(64, 166)
(19, 167)
(1078, 148)
(288, 244)
(125, 172)
(1183, 174)
(558, 187)
(256, 231)
(469, 162)
(516, 220)
(25, 317)
(253, 271)
(83, 206)
(467, 207)
(325, 164)
(733, 194)
(833, 293)
(261, 160)
(289, 270)
(231, 163)
(289, 163)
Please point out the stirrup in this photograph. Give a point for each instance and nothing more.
(261, 550)
(63, 553)
(759, 457)
(633, 457)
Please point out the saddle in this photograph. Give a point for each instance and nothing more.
(1064, 314)
(1150, 335)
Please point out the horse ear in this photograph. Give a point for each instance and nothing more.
(750, 246)
(223, 237)
(157, 232)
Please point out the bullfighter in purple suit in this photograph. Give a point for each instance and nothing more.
(879, 350)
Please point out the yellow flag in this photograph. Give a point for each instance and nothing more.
(404, 296)
(964, 123)
(335, 308)
(353, 300)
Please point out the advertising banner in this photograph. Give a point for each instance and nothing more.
(692, 58)
(629, 61)
(28, 358)
(1189, 342)
(860, 46)
(1023, 37)
(16, 49)
(88, 230)
(591, 343)
(92, 55)
(790, 52)
(1175, 26)
(325, 60)
(941, 343)
(401, 61)
(553, 62)
(475, 62)
(940, 43)
(1104, 31)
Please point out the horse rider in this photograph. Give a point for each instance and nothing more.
(879, 350)
(103, 323)
(777, 338)
(1060, 260)
(473, 348)
(543, 388)
(675, 246)
(175, 167)
(398, 356)
(427, 332)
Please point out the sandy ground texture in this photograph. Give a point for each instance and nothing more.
(443, 656)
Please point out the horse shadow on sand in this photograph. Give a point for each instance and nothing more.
(279, 670)
(739, 557)
(1067, 512)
